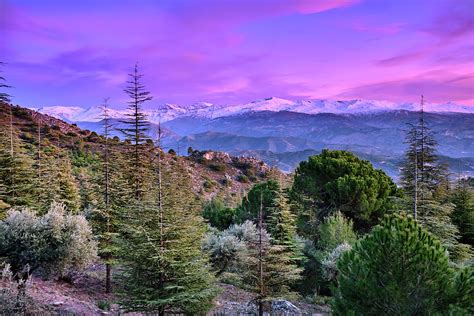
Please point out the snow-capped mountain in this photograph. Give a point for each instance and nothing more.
(167, 112)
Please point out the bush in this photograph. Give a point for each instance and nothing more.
(399, 268)
(217, 167)
(242, 178)
(334, 231)
(13, 294)
(329, 263)
(226, 248)
(56, 243)
(218, 215)
(223, 250)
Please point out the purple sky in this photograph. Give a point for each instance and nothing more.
(231, 51)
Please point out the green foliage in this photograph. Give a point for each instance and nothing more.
(135, 131)
(265, 192)
(435, 217)
(421, 161)
(225, 249)
(463, 214)
(242, 178)
(218, 215)
(335, 230)
(217, 167)
(335, 236)
(16, 185)
(338, 180)
(400, 269)
(56, 242)
(163, 265)
(269, 270)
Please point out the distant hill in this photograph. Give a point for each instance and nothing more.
(212, 173)
(279, 130)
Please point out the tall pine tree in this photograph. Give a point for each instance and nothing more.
(16, 188)
(4, 97)
(423, 178)
(163, 264)
(463, 215)
(269, 265)
(136, 129)
(421, 170)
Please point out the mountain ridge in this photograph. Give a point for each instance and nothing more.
(168, 111)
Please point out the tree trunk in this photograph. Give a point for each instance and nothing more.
(108, 285)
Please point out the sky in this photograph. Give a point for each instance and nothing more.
(76, 53)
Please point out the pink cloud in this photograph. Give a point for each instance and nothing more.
(437, 86)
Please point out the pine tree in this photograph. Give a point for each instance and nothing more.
(15, 169)
(4, 97)
(282, 228)
(424, 178)
(68, 188)
(250, 206)
(164, 267)
(435, 217)
(463, 215)
(57, 182)
(337, 180)
(401, 269)
(421, 170)
(137, 126)
(270, 268)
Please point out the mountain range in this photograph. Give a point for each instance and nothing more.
(283, 132)
(167, 112)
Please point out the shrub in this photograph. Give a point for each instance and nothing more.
(226, 248)
(218, 214)
(399, 268)
(329, 263)
(217, 167)
(242, 178)
(55, 243)
(13, 294)
(334, 231)
(223, 250)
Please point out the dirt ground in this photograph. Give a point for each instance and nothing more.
(85, 296)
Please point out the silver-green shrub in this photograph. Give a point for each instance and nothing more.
(55, 243)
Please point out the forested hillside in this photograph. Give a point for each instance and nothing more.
(135, 229)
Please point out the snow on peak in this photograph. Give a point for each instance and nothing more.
(168, 111)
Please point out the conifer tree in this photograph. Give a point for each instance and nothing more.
(57, 182)
(68, 188)
(269, 268)
(136, 129)
(111, 195)
(282, 223)
(337, 180)
(250, 206)
(435, 217)
(15, 169)
(4, 97)
(401, 269)
(423, 178)
(163, 265)
(463, 215)
(421, 170)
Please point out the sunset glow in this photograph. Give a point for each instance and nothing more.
(77, 52)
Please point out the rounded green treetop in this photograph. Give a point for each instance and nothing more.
(401, 269)
(337, 180)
